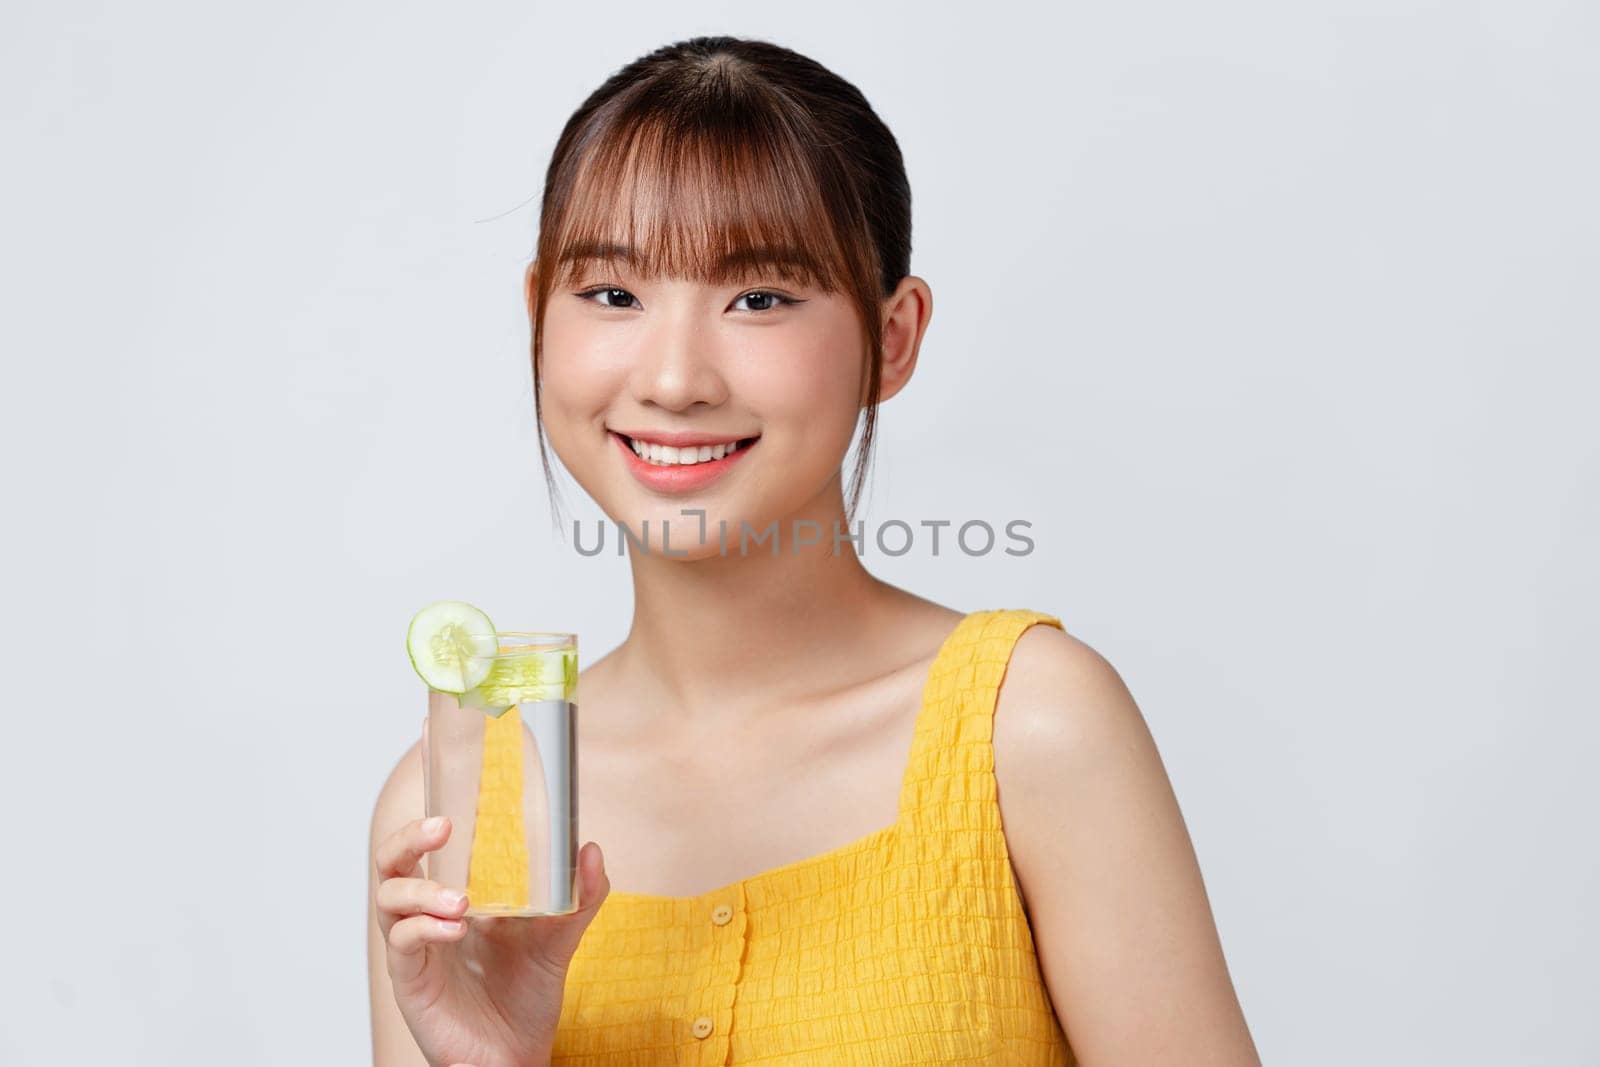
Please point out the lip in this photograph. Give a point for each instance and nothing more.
(679, 438)
(684, 478)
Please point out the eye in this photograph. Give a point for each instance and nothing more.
(608, 292)
(767, 299)
(620, 299)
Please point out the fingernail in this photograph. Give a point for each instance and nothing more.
(433, 825)
(450, 926)
(452, 897)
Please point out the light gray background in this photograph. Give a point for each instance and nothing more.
(1276, 320)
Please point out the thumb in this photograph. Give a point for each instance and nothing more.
(593, 883)
(593, 887)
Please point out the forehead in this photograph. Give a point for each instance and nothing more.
(703, 212)
(719, 266)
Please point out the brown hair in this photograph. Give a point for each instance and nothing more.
(727, 153)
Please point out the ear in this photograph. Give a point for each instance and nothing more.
(905, 319)
(530, 288)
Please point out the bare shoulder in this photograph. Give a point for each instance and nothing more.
(1069, 743)
(1060, 690)
(1063, 719)
(1121, 923)
(400, 799)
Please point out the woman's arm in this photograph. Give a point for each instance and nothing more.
(399, 802)
(1120, 918)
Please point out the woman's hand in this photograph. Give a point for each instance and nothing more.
(483, 992)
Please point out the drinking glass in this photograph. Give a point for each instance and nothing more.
(501, 761)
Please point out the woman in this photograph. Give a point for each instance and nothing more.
(853, 825)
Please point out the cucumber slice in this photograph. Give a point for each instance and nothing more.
(524, 677)
(452, 645)
(491, 701)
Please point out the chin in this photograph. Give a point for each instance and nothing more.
(675, 535)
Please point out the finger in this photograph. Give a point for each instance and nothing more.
(409, 941)
(593, 882)
(398, 898)
(593, 886)
(397, 854)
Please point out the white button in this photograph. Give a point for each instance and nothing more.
(721, 914)
(702, 1026)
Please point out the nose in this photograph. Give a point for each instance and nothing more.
(676, 365)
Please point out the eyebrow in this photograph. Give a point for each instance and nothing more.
(758, 256)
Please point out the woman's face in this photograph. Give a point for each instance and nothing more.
(669, 366)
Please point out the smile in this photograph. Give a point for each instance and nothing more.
(679, 462)
(683, 455)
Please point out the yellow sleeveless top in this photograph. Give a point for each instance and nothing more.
(908, 946)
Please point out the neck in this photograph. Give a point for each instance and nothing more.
(734, 631)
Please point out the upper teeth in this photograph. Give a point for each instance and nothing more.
(668, 455)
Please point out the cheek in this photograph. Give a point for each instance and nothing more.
(812, 384)
(574, 391)
(576, 381)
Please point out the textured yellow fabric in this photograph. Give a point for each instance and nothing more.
(908, 946)
(497, 873)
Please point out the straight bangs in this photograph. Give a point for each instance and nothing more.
(716, 198)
